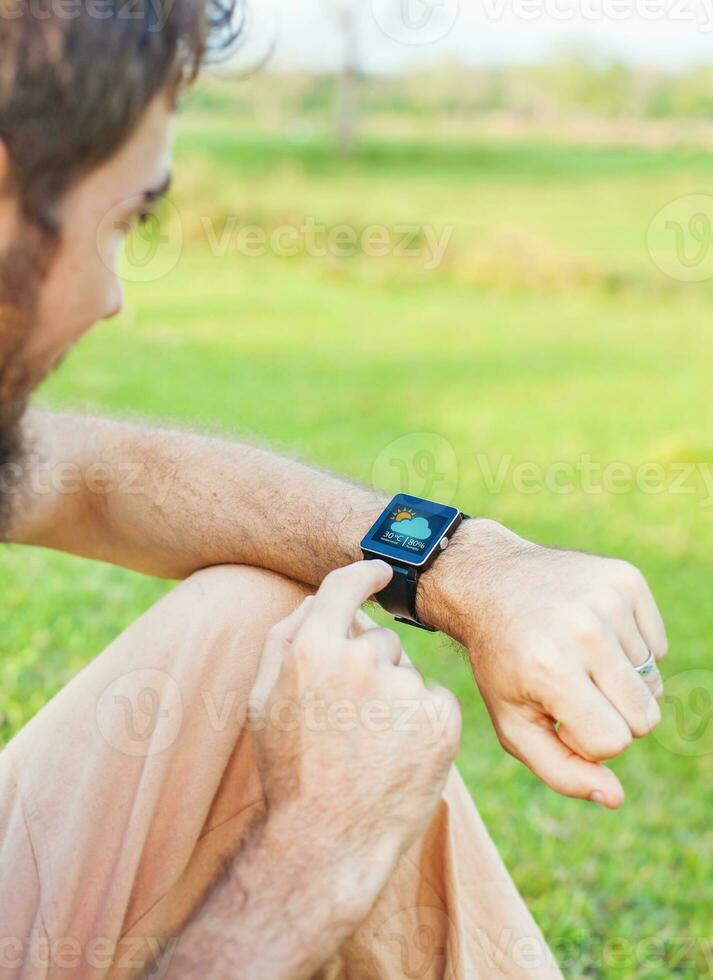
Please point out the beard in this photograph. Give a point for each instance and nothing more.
(23, 266)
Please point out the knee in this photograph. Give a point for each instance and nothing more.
(220, 618)
(243, 598)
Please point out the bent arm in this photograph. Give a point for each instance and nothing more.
(168, 502)
(540, 624)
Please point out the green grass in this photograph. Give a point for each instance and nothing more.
(334, 359)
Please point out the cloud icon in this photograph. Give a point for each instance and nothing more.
(415, 527)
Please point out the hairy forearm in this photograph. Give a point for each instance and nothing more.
(281, 908)
(169, 502)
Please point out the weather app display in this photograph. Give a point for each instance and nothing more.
(410, 529)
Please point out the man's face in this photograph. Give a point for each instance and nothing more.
(83, 286)
(43, 313)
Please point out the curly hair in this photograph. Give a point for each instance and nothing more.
(77, 75)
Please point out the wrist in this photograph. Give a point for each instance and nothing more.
(295, 894)
(446, 590)
(341, 877)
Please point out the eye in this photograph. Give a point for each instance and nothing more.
(143, 217)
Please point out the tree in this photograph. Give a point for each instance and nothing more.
(346, 109)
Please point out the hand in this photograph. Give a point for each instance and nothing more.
(553, 637)
(332, 743)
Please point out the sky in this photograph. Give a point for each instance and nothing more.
(395, 35)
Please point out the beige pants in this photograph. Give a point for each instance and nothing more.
(121, 798)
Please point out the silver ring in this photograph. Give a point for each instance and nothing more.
(648, 667)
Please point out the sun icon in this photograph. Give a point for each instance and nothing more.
(403, 514)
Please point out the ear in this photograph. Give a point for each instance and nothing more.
(5, 165)
(8, 196)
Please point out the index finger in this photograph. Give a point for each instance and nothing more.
(343, 591)
(536, 744)
(276, 645)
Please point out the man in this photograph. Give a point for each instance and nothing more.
(231, 843)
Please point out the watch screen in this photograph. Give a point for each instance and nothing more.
(410, 528)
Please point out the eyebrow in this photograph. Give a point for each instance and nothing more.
(156, 193)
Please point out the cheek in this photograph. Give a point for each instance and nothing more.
(79, 290)
(109, 245)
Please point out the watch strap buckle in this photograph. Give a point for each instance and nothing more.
(413, 622)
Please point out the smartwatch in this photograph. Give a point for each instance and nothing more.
(409, 535)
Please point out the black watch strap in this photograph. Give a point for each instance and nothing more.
(399, 597)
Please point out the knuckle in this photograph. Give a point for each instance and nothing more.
(543, 658)
(304, 650)
(614, 606)
(363, 623)
(648, 721)
(660, 642)
(630, 576)
(371, 642)
(587, 627)
(409, 683)
(614, 744)
(358, 664)
(388, 637)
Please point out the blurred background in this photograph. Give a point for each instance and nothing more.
(464, 251)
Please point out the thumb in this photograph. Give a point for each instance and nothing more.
(537, 744)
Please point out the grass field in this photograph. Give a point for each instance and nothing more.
(546, 335)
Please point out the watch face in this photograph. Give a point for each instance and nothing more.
(409, 529)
